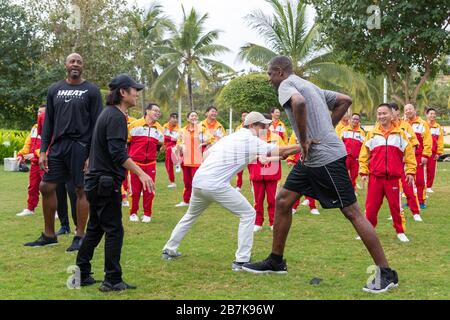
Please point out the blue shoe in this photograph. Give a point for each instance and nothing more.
(62, 231)
(423, 206)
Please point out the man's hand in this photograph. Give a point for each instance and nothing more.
(163, 149)
(409, 179)
(263, 159)
(43, 162)
(436, 157)
(147, 183)
(424, 161)
(86, 166)
(28, 156)
(306, 145)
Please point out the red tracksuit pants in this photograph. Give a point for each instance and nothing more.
(431, 170)
(35, 178)
(260, 190)
(188, 176)
(411, 197)
(239, 179)
(169, 165)
(136, 189)
(312, 203)
(353, 168)
(420, 180)
(378, 189)
(125, 186)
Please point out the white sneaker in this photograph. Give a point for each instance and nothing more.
(177, 168)
(418, 218)
(257, 228)
(134, 218)
(305, 202)
(238, 189)
(25, 212)
(146, 219)
(429, 190)
(315, 212)
(358, 238)
(356, 194)
(182, 204)
(403, 195)
(402, 237)
(172, 185)
(56, 215)
(271, 228)
(294, 211)
(390, 218)
(125, 203)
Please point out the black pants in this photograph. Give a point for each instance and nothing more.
(105, 217)
(63, 212)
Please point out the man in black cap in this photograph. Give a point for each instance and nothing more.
(107, 163)
(73, 106)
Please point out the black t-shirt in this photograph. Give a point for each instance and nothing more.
(71, 113)
(109, 148)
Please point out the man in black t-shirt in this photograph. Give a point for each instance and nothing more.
(107, 163)
(73, 106)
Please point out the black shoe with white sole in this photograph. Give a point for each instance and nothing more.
(384, 280)
(76, 244)
(43, 241)
(266, 266)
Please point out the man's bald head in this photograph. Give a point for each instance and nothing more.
(74, 66)
(280, 68)
(74, 55)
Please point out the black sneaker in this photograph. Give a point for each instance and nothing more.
(107, 286)
(88, 281)
(237, 266)
(76, 244)
(385, 279)
(63, 231)
(42, 241)
(266, 266)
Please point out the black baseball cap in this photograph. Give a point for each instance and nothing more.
(124, 81)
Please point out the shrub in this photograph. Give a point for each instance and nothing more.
(10, 141)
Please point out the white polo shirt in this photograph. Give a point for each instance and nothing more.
(228, 157)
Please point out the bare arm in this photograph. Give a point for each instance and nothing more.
(341, 106)
(284, 152)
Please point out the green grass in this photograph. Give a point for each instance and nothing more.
(318, 246)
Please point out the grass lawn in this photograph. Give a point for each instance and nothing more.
(318, 246)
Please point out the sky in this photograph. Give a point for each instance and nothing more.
(225, 15)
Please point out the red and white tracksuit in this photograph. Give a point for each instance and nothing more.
(239, 175)
(437, 149)
(264, 179)
(293, 159)
(143, 143)
(382, 159)
(353, 139)
(190, 140)
(32, 146)
(170, 141)
(280, 129)
(423, 150)
(125, 189)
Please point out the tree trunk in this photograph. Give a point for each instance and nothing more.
(189, 83)
(143, 91)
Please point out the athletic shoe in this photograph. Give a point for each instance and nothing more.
(305, 202)
(390, 218)
(403, 195)
(43, 241)
(417, 218)
(125, 203)
(170, 254)
(402, 237)
(429, 190)
(107, 286)
(422, 206)
(257, 228)
(182, 204)
(172, 185)
(315, 212)
(89, 281)
(134, 218)
(238, 189)
(358, 238)
(271, 228)
(25, 212)
(237, 266)
(177, 168)
(56, 215)
(146, 219)
(385, 279)
(356, 194)
(76, 244)
(63, 231)
(294, 211)
(266, 266)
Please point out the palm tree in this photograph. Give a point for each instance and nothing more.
(286, 32)
(187, 55)
(146, 29)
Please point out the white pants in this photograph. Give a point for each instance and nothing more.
(231, 200)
